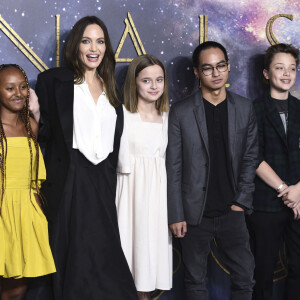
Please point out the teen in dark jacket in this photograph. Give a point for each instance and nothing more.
(277, 184)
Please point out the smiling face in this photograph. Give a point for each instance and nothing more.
(92, 47)
(150, 83)
(212, 58)
(13, 90)
(281, 75)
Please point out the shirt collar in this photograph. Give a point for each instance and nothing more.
(85, 84)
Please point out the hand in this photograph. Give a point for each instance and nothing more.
(34, 106)
(291, 195)
(236, 208)
(296, 211)
(178, 229)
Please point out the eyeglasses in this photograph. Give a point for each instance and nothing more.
(221, 67)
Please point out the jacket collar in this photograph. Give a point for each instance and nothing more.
(199, 112)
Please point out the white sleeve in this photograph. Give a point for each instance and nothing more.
(124, 164)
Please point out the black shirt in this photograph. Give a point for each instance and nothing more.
(220, 193)
(282, 107)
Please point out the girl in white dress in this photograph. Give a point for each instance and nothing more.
(142, 183)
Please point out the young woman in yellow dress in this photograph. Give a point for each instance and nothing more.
(24, 246)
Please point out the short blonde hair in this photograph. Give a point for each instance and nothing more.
(130, 90)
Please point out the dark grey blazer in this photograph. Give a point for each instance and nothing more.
(188, 161)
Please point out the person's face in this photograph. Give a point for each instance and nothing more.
(150, 83)
(209, 61)
(282, 72)
(92, 47)
(13, 90)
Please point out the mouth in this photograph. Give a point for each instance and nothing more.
(217, 81)
(18, 100)
(154, 93)
(92, 57)
(286, 81)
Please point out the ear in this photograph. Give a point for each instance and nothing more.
(196, 72)
(266, 74)
(228, 65)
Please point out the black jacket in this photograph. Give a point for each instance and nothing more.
(281, 151)
(55, 90)
(188, 161)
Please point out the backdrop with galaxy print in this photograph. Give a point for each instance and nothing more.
(169, 30)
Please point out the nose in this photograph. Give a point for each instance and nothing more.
(215, 71)
(154, 85)
(286, 72)
(17, 92)
(93, 46)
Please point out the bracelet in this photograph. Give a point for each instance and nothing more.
(280, 187)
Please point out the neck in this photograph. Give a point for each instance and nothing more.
(280, 95)
(9, 118)
(216, 96)
(90, 76)
(146, 107)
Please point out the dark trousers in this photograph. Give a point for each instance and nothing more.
(267, 230)
(232, 238)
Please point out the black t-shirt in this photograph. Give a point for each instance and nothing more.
(282, 107)
(220, 191)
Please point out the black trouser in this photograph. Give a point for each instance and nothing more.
(267, 231)
(232, 238)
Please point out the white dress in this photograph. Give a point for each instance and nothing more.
(141, 201)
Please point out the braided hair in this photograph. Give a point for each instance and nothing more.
(24, 114)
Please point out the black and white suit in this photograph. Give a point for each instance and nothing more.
(80, 201)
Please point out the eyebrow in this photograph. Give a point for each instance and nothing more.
(283, 64)
(150, 77)
(86, 37)
(210, 65)
(12, 82)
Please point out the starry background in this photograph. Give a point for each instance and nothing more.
(169, 30)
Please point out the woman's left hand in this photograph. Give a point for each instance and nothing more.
(34, 106)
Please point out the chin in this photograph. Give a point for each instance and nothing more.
(216, 87)
(285, 88)
(90, 67)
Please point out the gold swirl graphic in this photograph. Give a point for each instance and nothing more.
(269, 27)
(179, 260)
(160, 293)
(279, 273)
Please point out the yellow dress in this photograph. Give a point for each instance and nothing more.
(24, 242)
